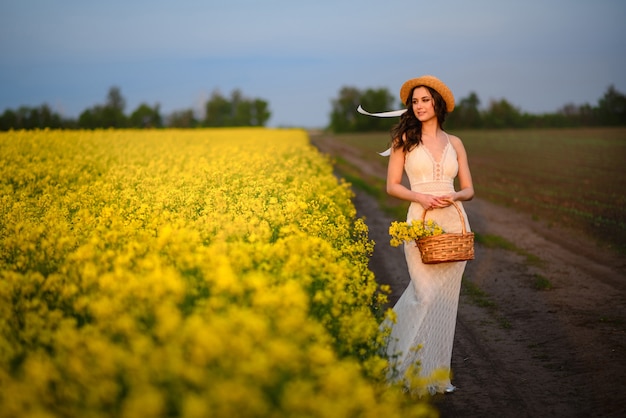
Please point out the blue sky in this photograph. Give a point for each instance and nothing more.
(538, 54)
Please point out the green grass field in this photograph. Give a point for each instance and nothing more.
(569, 177)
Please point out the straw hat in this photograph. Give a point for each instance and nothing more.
(432, 82)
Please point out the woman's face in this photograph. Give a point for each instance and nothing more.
(423, 104)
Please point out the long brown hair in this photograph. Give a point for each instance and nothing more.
(407, 134)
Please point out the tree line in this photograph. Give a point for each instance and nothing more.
(236, 110)
(609, 111)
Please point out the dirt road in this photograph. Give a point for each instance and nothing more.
(522, 350)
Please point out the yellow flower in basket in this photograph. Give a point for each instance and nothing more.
(410, 231)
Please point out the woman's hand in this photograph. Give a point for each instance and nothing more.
(449, 199)
(429, 202)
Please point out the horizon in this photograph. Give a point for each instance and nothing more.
(297, 57)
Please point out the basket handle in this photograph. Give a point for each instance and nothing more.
(458, 209)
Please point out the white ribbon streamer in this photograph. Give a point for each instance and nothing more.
(389, 114)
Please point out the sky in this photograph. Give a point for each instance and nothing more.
(537, 54)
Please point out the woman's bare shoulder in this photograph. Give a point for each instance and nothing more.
(453, 138)
(456, 143)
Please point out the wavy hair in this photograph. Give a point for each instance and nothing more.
(407, 134)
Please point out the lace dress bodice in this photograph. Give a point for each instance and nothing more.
(427, 173)
(436, 177)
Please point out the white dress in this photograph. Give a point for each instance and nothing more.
(426, 312)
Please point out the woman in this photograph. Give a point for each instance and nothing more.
(421, 339)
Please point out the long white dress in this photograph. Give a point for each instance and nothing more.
(426, 312)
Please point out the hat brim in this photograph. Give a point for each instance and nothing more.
(429, 81)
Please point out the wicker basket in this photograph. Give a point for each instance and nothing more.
(448, 246)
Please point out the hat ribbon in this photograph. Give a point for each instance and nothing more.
(389, 114)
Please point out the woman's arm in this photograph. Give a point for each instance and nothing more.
(466, 191)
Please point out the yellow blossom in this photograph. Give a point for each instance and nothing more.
(208, 272)
(410, 231)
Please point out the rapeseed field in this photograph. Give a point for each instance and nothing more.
(191, 273)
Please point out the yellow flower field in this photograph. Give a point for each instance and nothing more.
(188, 273)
